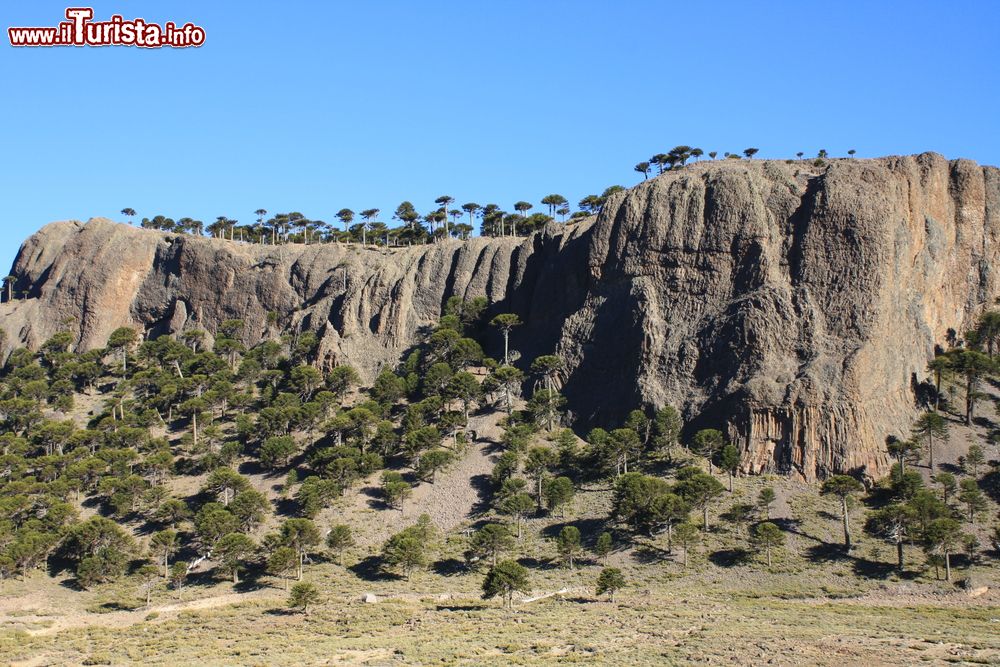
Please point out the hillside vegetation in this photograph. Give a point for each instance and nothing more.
(163, 502)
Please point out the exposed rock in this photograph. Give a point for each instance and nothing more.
(369, 598)
(800, 307)
(797, 306)
(973, 586)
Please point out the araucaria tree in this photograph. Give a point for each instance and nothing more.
(765, 499)
(303, 596)
(729, 460)
(505, 322)
(844, 487)
(301, 535)
(408, 548)
(699, 489)
(941, 538)
(610, 581)
(444, 201)
(930, 426)
(346, 217)
(767, 536)
(339, 540)
(708, 442)
(687, 536)
(568, 544)
(894, 523)
(490, 542)
(503, 580)
(972, 366)
(121, 341)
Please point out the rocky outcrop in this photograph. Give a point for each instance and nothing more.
(796, 306)
(366, 305)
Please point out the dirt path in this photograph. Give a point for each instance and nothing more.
(449, 501)
(54, 623)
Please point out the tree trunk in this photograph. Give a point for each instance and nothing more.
(930, 451)
(506, 348)
(730, 481)
(937, 390)
(969, 401)
(947, 566)
(899, 553)
(847, 524)
(704, 517)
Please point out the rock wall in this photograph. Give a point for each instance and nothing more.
(797, 306)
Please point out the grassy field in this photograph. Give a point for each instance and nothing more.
(814, 606)
(663, 626)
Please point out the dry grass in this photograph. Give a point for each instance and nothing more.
(662, 627)
(804, 610)
(813, 606)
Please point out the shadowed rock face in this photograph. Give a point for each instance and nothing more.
(796, 307)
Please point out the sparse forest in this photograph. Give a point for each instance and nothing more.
(205, 469)
(408, 227)
(145, 460)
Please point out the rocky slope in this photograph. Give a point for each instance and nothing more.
(796, 306)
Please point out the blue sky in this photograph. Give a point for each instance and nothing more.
(313, 106)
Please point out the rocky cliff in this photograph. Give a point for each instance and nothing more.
(796, 306)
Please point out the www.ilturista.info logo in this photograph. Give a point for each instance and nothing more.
(81, 30)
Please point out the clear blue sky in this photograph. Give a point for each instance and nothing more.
(317, 105)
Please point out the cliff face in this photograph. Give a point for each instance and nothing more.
(367, 305)
(795, 306)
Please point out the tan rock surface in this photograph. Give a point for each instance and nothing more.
(796, 305)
